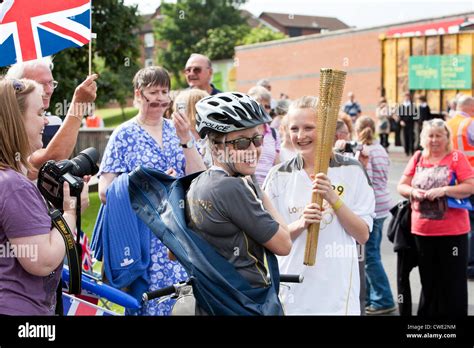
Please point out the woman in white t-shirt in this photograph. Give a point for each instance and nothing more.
(331, 286)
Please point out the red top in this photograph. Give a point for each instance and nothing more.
(455, 221)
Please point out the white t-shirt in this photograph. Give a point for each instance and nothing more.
(331, 286)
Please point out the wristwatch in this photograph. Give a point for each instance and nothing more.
(188, 145)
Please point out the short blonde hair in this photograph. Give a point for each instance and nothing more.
(260, 94)
(305, 102)
(428, 126)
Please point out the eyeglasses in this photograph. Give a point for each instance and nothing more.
(244, 143)
(267, 106)
(53, 84)
(193, 69)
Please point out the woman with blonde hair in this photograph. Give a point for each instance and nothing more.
(28, 280)
(185, 103)
(332, 287)
(152, 141)
(430, 178)
(379, 298)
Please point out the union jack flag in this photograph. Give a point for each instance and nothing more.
(86, 254)
(73, 306)
(31, 29)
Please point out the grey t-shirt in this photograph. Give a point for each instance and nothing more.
(226, 212)
(23, 213)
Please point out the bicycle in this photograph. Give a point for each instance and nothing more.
(185, 302)
(181, 292)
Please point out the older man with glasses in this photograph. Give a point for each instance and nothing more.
(198, 72)
(61, 140)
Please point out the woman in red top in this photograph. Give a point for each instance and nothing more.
(440, 232)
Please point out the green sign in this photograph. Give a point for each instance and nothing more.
(440, 72)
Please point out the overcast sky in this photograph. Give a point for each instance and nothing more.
(358, 13)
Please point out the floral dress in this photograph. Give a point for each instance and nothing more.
(129, 147)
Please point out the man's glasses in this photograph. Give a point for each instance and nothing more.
(53, 84)
(193, 69)
(244, 143)
(267, 106)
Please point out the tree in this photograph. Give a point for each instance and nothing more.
(187, 22)
(116, 51)
(261, 34)
(220, 42)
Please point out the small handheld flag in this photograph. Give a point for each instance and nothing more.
(34, 29)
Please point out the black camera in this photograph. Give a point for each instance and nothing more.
(352, 147)
(52, 176)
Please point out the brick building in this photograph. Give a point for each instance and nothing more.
(288, 24)
(292, 65)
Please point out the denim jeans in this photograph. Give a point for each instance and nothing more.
(379, 294)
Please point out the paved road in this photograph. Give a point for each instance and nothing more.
(389, 258)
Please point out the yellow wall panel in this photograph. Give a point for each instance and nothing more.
(403, 53)
(390, 69)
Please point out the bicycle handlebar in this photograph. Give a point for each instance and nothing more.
(173, 289)
(291, 278)
(147, 296)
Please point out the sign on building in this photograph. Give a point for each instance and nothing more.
(440, 72)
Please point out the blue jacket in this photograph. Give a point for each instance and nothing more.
(122, 241)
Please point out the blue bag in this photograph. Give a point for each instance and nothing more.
(159, 200)
(464, 203)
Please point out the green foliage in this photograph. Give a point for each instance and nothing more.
(220, 42)
(116, 51)
(261, 34)
(185, 23)
(89, 216)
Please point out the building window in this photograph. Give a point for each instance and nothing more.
(148, 62)
(292, 31)
(149, 40)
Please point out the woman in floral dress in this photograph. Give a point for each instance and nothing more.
(152, 141)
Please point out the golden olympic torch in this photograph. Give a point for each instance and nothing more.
(330, 94)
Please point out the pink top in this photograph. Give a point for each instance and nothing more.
(270, 149)
(455, 221)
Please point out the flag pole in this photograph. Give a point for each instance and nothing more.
(90, 41)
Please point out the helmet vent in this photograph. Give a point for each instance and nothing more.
(227, 99)
(241, 112)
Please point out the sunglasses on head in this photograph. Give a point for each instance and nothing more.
(18, 86)
(193, 69)
(244, 143)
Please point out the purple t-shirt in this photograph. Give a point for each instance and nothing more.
(23, 213)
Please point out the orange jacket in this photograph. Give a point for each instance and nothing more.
(458, 126)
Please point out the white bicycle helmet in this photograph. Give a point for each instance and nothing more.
(228, 112)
